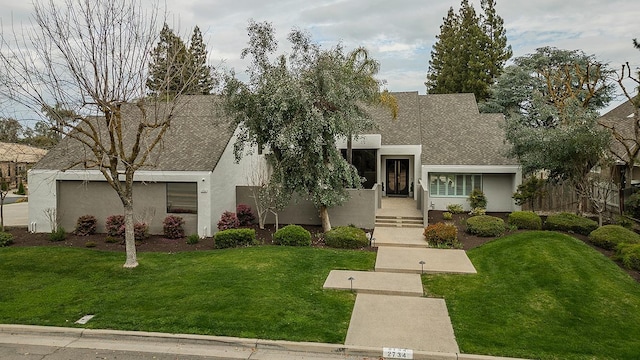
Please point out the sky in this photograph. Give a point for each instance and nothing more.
(399, 33)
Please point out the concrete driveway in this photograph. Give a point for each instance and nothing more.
(16, 214)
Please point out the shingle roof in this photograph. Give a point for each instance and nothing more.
(448, 126)
(195, 140)
(622, 119)
(20, 153)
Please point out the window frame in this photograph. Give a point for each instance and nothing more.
(188, 203)
(446, 184)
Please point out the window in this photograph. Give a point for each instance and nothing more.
(182, 198)
(365, 161)
(454, 184)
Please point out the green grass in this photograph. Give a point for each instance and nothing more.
(260, 292)
(542, 295)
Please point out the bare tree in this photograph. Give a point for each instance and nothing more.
(92, 57)
(267, 195)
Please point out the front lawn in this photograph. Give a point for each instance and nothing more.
(542, 295)
(261, 292)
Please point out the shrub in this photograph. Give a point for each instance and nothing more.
(477, 199)
(245, 215)
(235, 237)
(624, 222)
(86, 225)
(441, 235)
(485, 226)
(292, 235)
(455, 208)
(629, 254)
(525, 220)
(346, 237)
(58, 235)
(447, 215)
(20, 189)
(193, 239)
(90, 244)
(115, 226)
(6, 239)
(609, 236)
(140, 231)
(112, 240)
(632, 205)
(228, 220)
(478, 211)
(173, 227)
(570, 223)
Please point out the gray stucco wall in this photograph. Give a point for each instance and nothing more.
(77, 198)
(359, 210)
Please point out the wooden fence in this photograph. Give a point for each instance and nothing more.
(562, 197)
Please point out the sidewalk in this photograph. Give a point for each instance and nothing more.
(24, 342)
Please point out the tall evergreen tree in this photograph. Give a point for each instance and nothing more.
(470, 51)
(167, 75)
(204, 81)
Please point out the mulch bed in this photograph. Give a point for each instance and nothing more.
(158, 243)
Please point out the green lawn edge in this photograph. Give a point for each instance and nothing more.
(264, 292)
(542, 295)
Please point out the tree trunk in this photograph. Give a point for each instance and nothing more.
(324, 216)
(350, 149)
(129, 238)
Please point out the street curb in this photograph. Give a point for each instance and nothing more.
(233, 342)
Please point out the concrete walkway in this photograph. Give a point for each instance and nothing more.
(390, 310)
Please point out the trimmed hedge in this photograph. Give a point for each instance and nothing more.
(485, 226)
(292, 235)
(346, 237)
(525, 220)
(441, 235)
(629, 254)
(235, 237)
(570, 223)
(609, 236)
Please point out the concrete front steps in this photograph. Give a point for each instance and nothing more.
(399, 221)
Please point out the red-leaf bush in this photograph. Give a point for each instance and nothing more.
(86, 225)
(245, 215)
(115, 226)
(441, 235)
(228, 220)
(141, 231)
(173, 227)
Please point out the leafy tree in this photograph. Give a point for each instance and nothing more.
(550, 100)
(470, 51)
(10, 130)
(297, 106)
(103, 81)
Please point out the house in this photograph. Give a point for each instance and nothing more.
(624, 123)
(15, 160)
(437, 150)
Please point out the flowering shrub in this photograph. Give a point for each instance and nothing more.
(245, 215)
(86, 225)
(115, 226)
(173, 227)
(228, 220)
(441, 235)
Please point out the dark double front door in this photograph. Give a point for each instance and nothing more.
(397, 176)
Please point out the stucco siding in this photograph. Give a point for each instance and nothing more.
(359, 210)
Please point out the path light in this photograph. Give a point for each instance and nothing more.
(421, 266)
(351, 278)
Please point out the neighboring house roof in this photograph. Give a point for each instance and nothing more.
(623, 121)
(19, 153)
(449, 127)
(195, 140)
